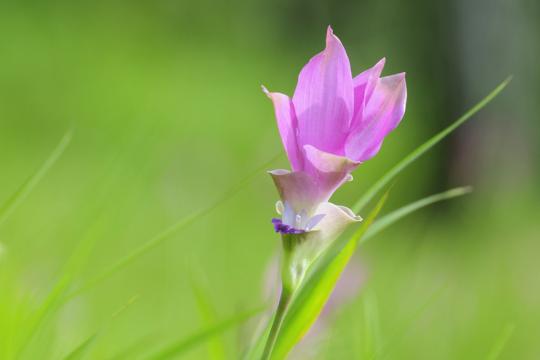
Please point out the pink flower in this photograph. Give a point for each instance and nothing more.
(333, 123)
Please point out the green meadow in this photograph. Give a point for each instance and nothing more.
(135, 206)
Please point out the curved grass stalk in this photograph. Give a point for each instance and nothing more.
(81, 350)
(167, 233)
(53, 300)
(277, 322)
(181, 346)
(300, 310)
(398, 334)
(208, 313)
(26, 187)
(57, 296)
(389, 219)
(422, 149)
(308, 300)
(501, 342)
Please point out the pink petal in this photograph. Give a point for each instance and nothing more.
(364, 84)
(298, 189)
(323, 174)
(287, 125)
(329, 171)
(382, 114)
(335, 221)
(324, 99)
(321, 164)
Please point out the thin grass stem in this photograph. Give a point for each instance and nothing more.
(422, 149)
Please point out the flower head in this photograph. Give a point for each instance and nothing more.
(333, 123)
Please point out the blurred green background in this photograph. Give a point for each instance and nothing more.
(164, 103)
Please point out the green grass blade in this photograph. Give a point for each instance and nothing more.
(181, 346)
(422, 149)
(216, 345)
(136, 348)
(167, 233)
(16, 198)
(404, 328)
(53, 300)
(372, 338)
(138, 252)
(501, 342)
(256, 348)
(389, 219)
(308, 301)
(82, 349)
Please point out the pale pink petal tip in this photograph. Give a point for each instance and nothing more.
(331, 38)
(329, 32)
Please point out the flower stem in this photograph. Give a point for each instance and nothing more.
(276, 324)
